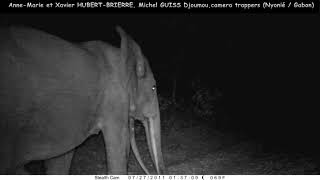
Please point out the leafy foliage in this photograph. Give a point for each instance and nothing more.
(164, 102)
(204, 100)
(203, 104)
(197, 107)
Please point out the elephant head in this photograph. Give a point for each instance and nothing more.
(143, 100)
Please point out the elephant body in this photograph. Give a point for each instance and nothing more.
(54, 94)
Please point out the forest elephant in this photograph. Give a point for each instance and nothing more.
(54, 94)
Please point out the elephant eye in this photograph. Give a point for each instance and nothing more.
(154, 88)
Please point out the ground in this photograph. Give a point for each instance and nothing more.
(197, 150)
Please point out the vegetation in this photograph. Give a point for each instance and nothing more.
(198, 107)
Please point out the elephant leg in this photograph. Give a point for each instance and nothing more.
(59, 165)
(21, 170)
(116, 138)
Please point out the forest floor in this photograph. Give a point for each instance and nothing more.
(198, 150)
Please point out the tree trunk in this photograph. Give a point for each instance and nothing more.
(174, 89)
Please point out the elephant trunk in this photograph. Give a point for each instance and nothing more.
(134, 146)
(153, 133)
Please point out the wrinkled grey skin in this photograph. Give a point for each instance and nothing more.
(54, 94)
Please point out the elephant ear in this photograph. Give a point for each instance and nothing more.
(131, 53)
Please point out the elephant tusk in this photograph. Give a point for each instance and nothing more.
(148, 135)
(152, 127)
(134, 146)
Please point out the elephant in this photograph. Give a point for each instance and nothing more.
(54, 94)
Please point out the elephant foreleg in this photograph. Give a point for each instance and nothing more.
(117, 144)
(22, 171)
(59, 165)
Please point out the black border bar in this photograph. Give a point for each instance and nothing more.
(160, 6)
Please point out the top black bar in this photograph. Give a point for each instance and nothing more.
(161, 6)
